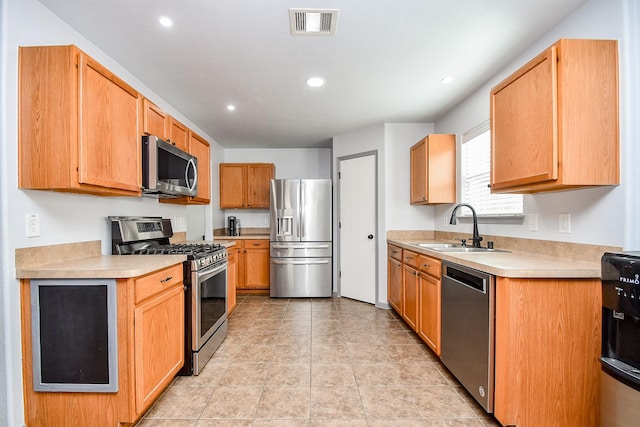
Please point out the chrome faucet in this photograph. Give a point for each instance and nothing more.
(476, 239)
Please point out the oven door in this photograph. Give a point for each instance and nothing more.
(209, 299)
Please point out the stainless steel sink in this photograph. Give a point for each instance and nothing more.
(453, 247)
(467, 249)
(436, 245)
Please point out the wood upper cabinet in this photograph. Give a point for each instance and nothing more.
(534, 316)
(554, 122)
(178, 134)
(245, 185)
(78, 125)
(199, 147)
(433, 170)
(154, 120)
(394, 278)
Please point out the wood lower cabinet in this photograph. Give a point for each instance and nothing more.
(232, 278)
(78, 125)
(429, 312)
(547, 352)
(394, 278)
(245, 185)
(150, 352)
(433, 170)
(555, 121)
(253, 266)
(410, 279)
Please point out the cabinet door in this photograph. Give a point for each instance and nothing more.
(109, 148)
(258, 183)
(419, 172)
(429, 312)
(232, 276)
(256, 264)
(410, 297)
(158, 344)
(231, 185)
(199, 147)
(524, 134)
(178, 134)
(154, 120)
(394, 284)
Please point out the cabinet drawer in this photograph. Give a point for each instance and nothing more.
(430, 265)
(157, 282)
(256, 244)
(395, 252)
(410, 258)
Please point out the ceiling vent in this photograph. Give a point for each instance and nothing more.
(313, 22)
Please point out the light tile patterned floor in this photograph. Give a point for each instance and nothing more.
(317, 363)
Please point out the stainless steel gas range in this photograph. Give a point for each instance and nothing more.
(205, 280)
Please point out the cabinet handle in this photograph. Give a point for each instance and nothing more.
(166, 280)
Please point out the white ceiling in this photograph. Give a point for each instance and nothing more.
(385, 63)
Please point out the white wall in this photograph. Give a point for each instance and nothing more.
(391, 142)
(400, 215)
(64, 217)
(289, 162)
(597, 215)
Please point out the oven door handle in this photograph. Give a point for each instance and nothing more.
(210, 272)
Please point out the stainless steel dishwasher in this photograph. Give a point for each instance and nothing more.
(468, 329)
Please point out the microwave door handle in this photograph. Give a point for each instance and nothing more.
(195, 175)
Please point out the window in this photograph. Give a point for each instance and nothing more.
(475, 164)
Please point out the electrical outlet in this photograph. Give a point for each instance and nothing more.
(564, 223)
(33, 225)
(533, 222)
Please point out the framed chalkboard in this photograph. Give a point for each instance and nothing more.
(74, 335)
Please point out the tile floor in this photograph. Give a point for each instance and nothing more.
(317, 362)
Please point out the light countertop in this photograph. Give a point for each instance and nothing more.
(510, 264)
(101, 267)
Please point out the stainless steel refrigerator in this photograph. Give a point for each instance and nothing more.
(301, 233)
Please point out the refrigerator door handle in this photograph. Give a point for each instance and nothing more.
(302, 209)
(299, 262)
(300, 247)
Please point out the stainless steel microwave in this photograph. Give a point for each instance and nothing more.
(167, 171)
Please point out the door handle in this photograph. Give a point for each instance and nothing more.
(370, 236)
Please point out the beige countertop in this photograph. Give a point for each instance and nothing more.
(242, 237)
(509, 264)
(100, 267)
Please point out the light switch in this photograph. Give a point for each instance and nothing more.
(564, 223)
(533, 222)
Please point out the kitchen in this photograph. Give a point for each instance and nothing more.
(605, 216)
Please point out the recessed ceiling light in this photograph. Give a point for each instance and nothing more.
(315, 81)
(446, 80)
(165, 21)
(231, 107)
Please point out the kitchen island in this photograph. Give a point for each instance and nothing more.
(547, 327)
(149, 330)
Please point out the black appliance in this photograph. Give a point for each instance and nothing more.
(620, 361)
(205, 280)
(232, 229)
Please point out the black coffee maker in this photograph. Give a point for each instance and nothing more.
(232, 227)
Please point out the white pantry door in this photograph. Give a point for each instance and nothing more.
(358, 218)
